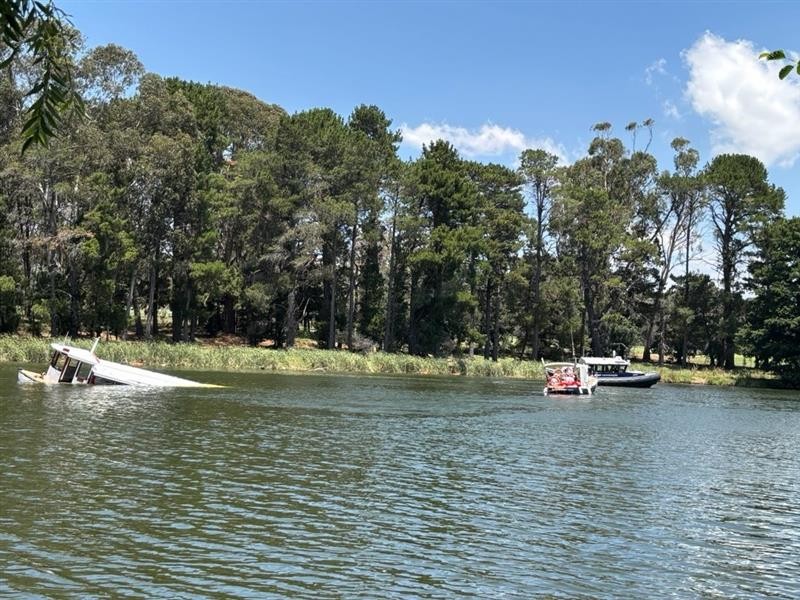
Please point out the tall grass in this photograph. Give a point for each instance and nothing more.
(224, 358)
(220, 358)
(700, 375)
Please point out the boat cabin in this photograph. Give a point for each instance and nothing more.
(72, 365)
(613, 365)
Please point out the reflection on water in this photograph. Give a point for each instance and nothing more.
(322, 486)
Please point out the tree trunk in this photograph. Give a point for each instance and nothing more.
(537, 285)
(151, 322)
(351, 287)
(487, 319)
(413, 333)
(496, 328)
(291, 321)
(657, 317)
(388, 326)
(74, 301)
(332, 320)
(129, 302)
(137, 318)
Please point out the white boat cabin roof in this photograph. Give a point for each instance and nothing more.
(605, 360)
(559, 365)
(84, 356)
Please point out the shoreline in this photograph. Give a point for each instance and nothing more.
(165, 355)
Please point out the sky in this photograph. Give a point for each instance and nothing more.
(494, 78)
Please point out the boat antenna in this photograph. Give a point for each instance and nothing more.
(96, 340)
(572, 341)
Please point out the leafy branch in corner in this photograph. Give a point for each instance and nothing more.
(42, 30)
(781, 55)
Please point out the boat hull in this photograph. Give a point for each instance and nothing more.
(24, 376)
(571, 391)
(643, 380)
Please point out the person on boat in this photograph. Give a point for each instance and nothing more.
(554, 378)
(569, 377)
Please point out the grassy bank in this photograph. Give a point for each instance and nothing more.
(236, 357)
(224, 358)
(702, 375)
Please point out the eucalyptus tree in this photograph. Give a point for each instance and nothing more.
(107, 73)
(671, 220)
(591, 220)
(42, 31)
(539, 171)
(740, 202)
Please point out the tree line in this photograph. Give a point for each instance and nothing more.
(203, 203)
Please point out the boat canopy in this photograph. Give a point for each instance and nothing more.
(617, 361)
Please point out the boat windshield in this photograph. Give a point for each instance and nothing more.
(611, 369)
(83, 372)
(58, 361)
(69, 371)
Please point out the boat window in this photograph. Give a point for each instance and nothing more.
(69, 371)
(58, 361)
(83, 371)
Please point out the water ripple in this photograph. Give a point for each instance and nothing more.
(324, 487)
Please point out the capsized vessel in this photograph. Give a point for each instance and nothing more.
(79, 366)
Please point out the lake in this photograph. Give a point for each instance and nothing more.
(322, 486)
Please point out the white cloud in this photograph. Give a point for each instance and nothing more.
(671, 110)
(488, 140)
(752, 111)
(659, 67)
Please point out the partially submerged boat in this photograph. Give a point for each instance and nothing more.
(568, 378)
(614, 371)
(79, 366)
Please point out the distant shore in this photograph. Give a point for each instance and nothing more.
(209, 356)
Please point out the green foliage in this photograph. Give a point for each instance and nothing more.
(741, 202)
(41, 30)
(182, 209)
(781, 55)
(772, 334)
(9, 320)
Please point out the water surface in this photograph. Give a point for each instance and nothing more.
(329, 486)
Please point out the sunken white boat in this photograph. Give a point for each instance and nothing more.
(78, 366)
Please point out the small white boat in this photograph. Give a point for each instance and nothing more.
(79, 366)
(568, 378)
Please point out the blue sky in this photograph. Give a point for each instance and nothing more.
(495, 77)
